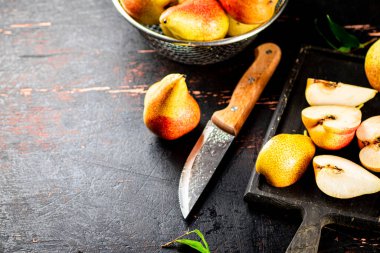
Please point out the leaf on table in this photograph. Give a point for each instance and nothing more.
(193, 244)
(202, 247)
(199, 233)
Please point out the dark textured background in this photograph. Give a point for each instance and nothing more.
(79, 170)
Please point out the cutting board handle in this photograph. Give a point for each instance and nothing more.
(306, 239)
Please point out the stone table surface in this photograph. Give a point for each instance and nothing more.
(80, 172)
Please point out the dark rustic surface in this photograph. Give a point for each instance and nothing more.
(79, 170)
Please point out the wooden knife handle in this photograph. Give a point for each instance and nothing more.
(248, 90)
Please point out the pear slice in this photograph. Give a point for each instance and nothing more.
(331, 127)
(322, 92)
(369, 131)
(337, 119)
(341, 178)
(368, 135)
(370, 157)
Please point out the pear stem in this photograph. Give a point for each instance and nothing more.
(173, 241)
(360, 106)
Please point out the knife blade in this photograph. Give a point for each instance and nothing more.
(224, 126)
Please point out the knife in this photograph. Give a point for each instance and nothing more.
(224, 126)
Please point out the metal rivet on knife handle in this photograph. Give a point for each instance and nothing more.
(251, 79)
(249, 89)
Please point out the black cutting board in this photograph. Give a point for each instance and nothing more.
(317, 208)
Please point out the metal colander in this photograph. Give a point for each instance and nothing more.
(193, 52)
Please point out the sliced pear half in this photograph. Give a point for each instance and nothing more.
(323, 92)
(331, 127)
(334, 118)
(341, 178)
(370, 157)
(368, 135)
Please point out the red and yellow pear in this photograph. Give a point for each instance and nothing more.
(250, 11)
(195, 20)
(169, 110)
(372, 65)
(237, 28)
(331, 127)
(146, 12)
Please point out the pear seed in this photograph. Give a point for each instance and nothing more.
(320, 122)
(330, 117)
(334, 168)
(365, 143)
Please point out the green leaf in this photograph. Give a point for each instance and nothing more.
(344, 49)
(338, 38)
(203, 248)
(323, 35)
(348, 40)
(199, 233)
(193, 244)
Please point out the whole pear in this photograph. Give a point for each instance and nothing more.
(195, 20)
(146, 12)
(237, 28)
(169, 110)
(250, 11)
(285, 158)
(372, 65)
